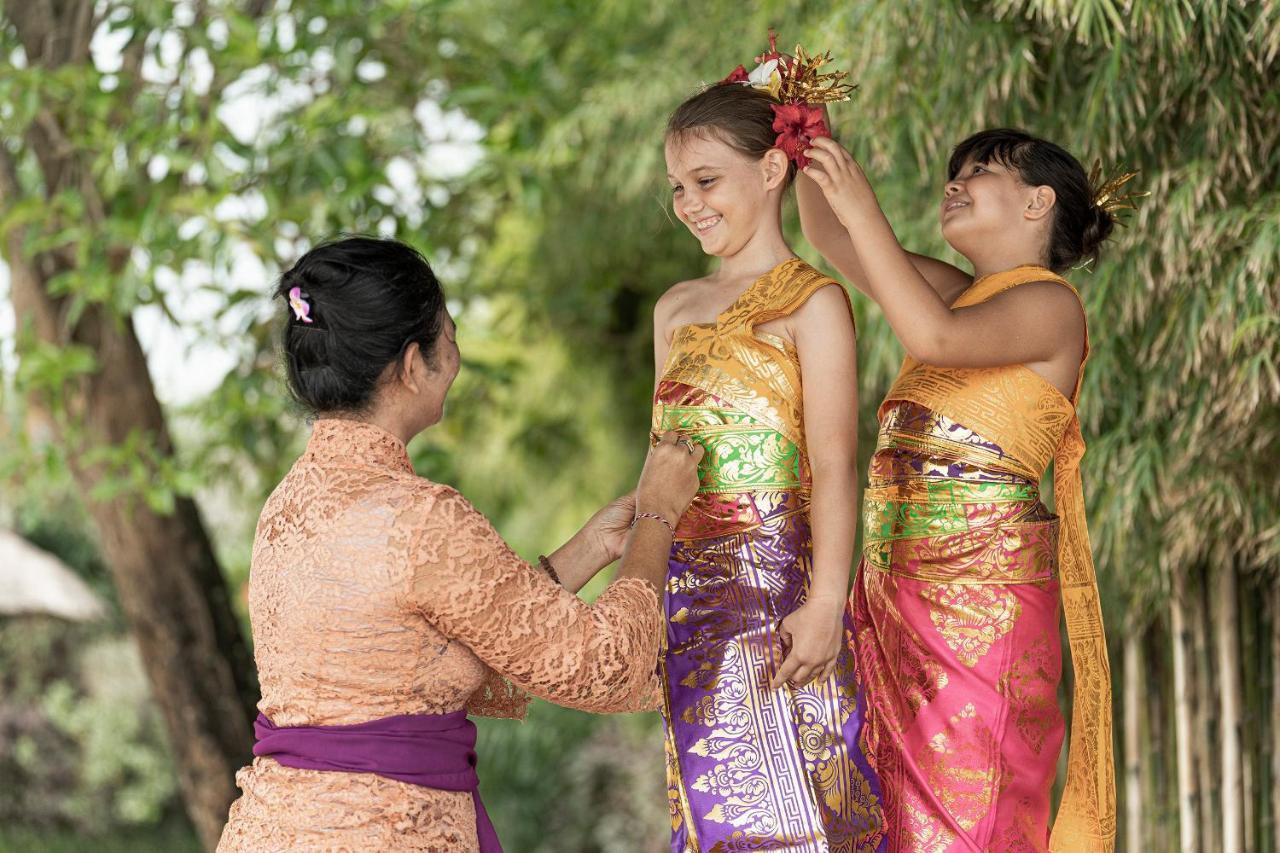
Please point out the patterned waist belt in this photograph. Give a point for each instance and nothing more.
(945, 491)
(741, 456)
(958, 531)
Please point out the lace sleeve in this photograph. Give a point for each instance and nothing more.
(467, 582)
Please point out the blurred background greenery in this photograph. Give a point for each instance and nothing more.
(162, 161)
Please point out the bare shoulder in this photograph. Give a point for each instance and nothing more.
(826, 304)
(1050, 313)
(676, 294)
(825, 316)
(1049, 299)
(671, 303)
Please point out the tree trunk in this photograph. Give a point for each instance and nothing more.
(1184, 723)
(1135, 700)
(1228, 653)
(169, 583)
(170, 586)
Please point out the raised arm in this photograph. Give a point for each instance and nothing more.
(824, 232)
(473, 588)
(1032, 324)
(595, 657)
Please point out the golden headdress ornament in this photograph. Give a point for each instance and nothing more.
(803, 81)
(796, 79)
(796, 83)
(1108, 194)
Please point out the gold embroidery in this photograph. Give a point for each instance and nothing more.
(927, 834)
(971, 618)
(1029, 686)
(959, 767)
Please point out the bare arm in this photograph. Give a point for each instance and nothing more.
(545, 640)
(825, 341)
(667, 485)
(595, 546)
(827, 348)
(661, 335)
(824, 232)
(1030, 324)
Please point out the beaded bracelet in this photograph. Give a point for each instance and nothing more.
(654, 515)
(545, 565)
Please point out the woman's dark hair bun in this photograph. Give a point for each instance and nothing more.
(367, 300)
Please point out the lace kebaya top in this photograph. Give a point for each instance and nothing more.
(374, 592)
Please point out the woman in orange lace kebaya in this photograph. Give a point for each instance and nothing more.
(956, 604)
(385, 608)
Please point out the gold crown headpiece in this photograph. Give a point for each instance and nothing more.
(796, 83)
(1108, 194)
(796, 79)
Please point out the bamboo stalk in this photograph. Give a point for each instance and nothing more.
(1164, 792)
(1135, 701)
(1203, 692)
(1252, 752)
(1273, 721)
(1228, 654)
(1157, 750)
(1188, 799)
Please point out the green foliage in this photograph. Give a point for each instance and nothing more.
(1175, 402)
(563, 780)
(83, 747)
(125, 775)
(173, 836)
(556, 243)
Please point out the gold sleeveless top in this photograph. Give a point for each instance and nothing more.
(735, 389)
(1034, 423)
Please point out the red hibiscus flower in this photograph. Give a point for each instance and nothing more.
(797, 126)
(738, 75)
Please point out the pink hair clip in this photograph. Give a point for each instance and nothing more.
(298, 302)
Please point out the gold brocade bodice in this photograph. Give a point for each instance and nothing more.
(736, 390)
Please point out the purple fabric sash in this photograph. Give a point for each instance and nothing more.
(431, 750)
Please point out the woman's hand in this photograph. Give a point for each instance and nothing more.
(841, 180)
(667, 485)
(811, 639)
(609, 526)
(670, 477)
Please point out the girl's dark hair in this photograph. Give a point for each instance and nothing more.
(739, 116)
(1079, 226)
(369, 299)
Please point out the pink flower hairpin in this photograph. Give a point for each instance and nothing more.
(298, 302)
